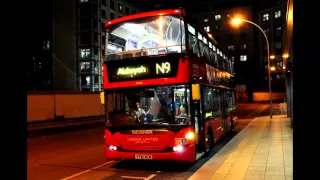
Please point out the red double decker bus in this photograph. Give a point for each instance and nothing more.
(168, 88)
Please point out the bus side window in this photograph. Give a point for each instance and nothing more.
(207, 101)
(216, 103)
(193, 44)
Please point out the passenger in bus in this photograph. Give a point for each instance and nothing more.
(149, 116)
(164, 111)
(139, 112)
(183, 110)
(170, 104)
(127, 104)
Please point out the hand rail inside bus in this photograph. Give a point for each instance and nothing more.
(133, 52)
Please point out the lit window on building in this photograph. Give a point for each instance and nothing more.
(120, 8)
(243, 46)
(84, 66)
(206, 20)
(278, 28)
(83, 1)
(46, 45)
(217, 17)
(265, 17)
(266, 30)
(207, 28)
(278, 76)
(243, 57)
(232, 58)
(231, 47)
(85, 53)
(87, 81)
(277, 14)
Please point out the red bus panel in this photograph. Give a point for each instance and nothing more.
(154, 144)
(144, 14)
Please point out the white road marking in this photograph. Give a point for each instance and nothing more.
(256, 110)
(151, 176)
(144, 178)
(132, 177)
(75, 175)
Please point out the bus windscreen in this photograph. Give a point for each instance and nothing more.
(152, 105)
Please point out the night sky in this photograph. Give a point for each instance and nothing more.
(200, 5)
(163, 4)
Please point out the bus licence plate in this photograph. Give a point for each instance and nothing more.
(140, 156)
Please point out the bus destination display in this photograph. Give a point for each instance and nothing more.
(143, 70)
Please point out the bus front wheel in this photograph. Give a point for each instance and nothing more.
(209, 142)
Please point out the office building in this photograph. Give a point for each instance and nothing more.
(91, 38)
(67, 53)
(272, 20)
(238, 42)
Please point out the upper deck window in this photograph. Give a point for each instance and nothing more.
(145, 37)
(191, 30)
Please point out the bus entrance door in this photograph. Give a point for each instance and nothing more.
(197, 119)
(224, 107)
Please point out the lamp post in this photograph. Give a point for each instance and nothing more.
(237, 22)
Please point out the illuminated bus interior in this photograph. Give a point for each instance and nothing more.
(145, 37)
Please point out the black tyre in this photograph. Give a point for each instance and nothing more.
(209, 142)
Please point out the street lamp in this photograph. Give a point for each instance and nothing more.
(272, 57)
(285, 56)
(236, 22)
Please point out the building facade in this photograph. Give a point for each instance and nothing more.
(92, 16)
(238, 42)
(39, 62)
(68, 49)
(288, 57)
(272, 21)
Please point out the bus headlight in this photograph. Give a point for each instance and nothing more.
(190, 135)
(113, 148)
(178, 148)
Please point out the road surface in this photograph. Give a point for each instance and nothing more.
(80, 155)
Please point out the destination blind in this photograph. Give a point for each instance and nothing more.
(133, 70)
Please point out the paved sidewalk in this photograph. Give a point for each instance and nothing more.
(261, 151)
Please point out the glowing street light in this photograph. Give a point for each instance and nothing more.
(272, 68)
(237, 21)
(272, 57)
(285, 55)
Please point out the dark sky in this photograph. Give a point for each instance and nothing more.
(199, 5)
(163, 4)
